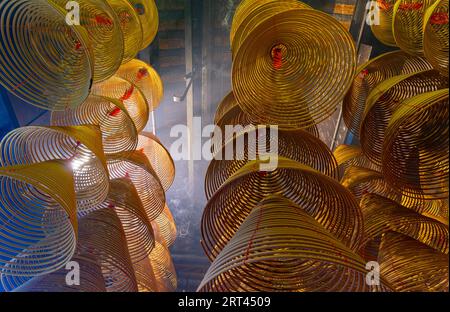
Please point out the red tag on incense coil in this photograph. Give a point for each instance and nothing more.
(127, 94)
(115, 112)
(439, 18)
(363, 74)
(101, 20)
(277, 58)
(127, 175)
(141, 150)
(143, 72)
(77, 45)
(383, 5)
(411, 6)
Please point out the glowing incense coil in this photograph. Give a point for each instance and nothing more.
(101, 236)
(159, 158)
(149, 17)
(321, 196)
(129, 95)
(435, 37)
(224, 107)
(38, 218)
(382, 12)
(163, 269)
(370, 75)
(410, 266)
(407, 25)
(131, 27)
(279, 247)
(146, 79)
(382, 215)
(79, 145)
(118, 131)
(165, 227)
(351, 155)
(250, 145)
(382, 102)
(138, 169)
(102, 27)
(43, 60)
(415, 150)
(252, 13)
(428, 206)
(271, 95)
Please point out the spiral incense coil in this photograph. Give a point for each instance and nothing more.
(43, 60)
(138, 169)
(321, 196)
(159, 158)
(101, 236)
(370, 75)
(256, 144)
(149, 17)
(407, 24)
(276, 58)
(37, 217)
(146, 79)
(79, 145)
(145, 277)
(382, 215)
(382, 102)
(428, 206)
(279, 247)
(227, 103)
(410, 266)
(381, 26)
(415, 150)
(129, 95)
(256, 11)
(163, 269)
(130, 25)
(164, 224)
(105, 37)
(351, 155)
(119, 133)
(435, 36)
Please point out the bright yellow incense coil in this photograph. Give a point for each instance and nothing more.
(165, 225)
(382, 12)
(163, 268)
(149, 17)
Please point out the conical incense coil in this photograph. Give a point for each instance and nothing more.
(119, 133)
(44, 61)
(146, 79)
(145, 277)
(162, 264)
(164, 224)
(149, 17)
(370, 75)
(38, 218)
(321, 196)
(435, 36)
(382, 12)
(382, 215)
(131, 27)
(384, 100)
(102, 237)
(428, 206)
(104, 34)
(81, 146)
(159, 158)
(227, 103)
(255, 11)
(407, 24)
(351, 155)
(261, 144)
(129, 95)
(410, 266)
(279, 247)
(138, 169)
(277, 57)
(415, 150)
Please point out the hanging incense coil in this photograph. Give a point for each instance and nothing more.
(146, 79)
(415, 150)
(428, 206)
(410, 266)
(228, 102)
(38, 218)
(119, 133)
(250, 12)
(137, 168)
(159, 158)
(129, 95)
(149, 17)
(385, 99)
(79, 145)
(105, 38)
(321, 196)
(102, 237)
(382, 215)
(163, 269)
(131, 27)
(407, 24)
(145, 277)
(269, 92)
(44, 61)
(279, 247)
(369, 75)
(435, 36)
(351, 155)
(164, 224)
(261, 144)
(382, 12)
